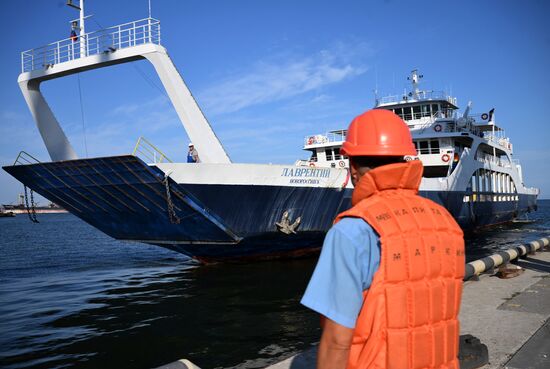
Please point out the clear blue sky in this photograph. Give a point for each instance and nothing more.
(267, 73)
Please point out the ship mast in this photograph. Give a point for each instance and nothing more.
(81, 25)
(415, 81)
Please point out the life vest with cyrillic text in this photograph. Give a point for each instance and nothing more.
(409, 317)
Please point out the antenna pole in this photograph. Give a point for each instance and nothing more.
(81, 29)
(149, 8)
(83, 40)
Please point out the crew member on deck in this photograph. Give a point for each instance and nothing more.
(192, 154)
(74, 26)
(388, 282)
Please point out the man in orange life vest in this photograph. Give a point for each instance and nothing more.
(388, 282)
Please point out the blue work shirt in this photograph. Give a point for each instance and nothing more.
(349, 258)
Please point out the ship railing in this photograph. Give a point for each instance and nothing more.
(148, 152)
(332, 136)
(490, 159)
(107, 40)
(24, 158)
(305, 163)
(498, 141)
(421, 95)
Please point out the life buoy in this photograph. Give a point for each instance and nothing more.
(341, 164)
(437, 128)
(445, 158)
(408, 158)
(310, 140)
(311, 164)
(484, 116)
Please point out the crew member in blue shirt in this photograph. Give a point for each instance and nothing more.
(192, 154)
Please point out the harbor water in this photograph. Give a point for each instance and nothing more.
(70, 296)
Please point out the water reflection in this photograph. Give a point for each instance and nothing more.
(243, 315)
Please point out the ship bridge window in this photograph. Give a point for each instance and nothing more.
(328, 153)
(434, 146)
(425, 110)
(435, 171)
(313, 156)
(407, 113)
(448, 112)
(427, 146)
(416, 112)
(423, 147)
(333, 154)
(399, 111)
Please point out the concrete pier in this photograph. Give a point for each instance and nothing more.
(510, 316)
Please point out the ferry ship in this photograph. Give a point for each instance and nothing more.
(469, 166)
(217, 210)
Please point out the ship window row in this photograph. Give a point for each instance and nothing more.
(489, 185)
(420, 111)
(333, 154)
(427, 146)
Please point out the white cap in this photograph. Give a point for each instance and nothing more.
(191, 144)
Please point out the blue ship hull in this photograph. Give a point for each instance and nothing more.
(127, 199)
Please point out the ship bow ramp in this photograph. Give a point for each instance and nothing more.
(127, 199)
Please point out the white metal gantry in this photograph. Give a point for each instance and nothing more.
(115, 45)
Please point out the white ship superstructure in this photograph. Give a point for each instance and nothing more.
(467, 157)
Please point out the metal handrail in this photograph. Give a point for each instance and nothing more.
(24, 158)
(149, 152)
(422, 95)
(333, 136)
(107, 40)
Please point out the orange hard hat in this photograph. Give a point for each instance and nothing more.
(378, 132)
